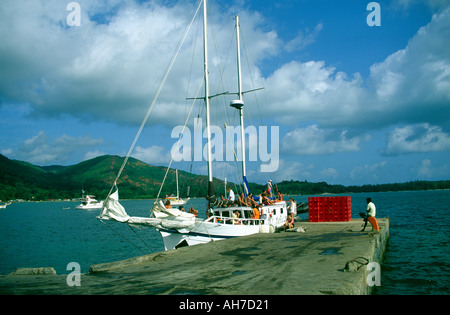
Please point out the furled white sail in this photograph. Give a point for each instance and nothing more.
(164, 218)
(113, 210)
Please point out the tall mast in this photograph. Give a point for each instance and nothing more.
(176, 175)
(239, 104)
(211, 193)
(206, 74)
(238, 45)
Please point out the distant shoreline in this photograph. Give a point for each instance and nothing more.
(286, 195)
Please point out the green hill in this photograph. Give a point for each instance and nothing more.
(22, 180)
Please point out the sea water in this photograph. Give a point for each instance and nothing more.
(54, 234)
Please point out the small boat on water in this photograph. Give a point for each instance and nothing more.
(176, 200)
(89, 203)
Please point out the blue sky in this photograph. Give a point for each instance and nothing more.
(354, 104)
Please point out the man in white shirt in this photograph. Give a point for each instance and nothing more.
(370, 215)
(231, 196)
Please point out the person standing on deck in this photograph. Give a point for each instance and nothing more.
(293, 207)
(269, 188)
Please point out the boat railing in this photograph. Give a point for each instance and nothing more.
(235, 221)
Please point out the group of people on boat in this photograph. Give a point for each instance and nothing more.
(263, 199)
(255, 202)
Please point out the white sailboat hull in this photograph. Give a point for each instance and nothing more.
(205, 231)
(177, 202)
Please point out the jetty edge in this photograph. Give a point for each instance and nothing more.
(329, 258)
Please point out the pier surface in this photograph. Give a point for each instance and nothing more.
(329, 258)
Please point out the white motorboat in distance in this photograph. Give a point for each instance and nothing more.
(89, 203)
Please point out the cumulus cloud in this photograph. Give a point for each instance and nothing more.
(411, 85)
(427, 170)
(368, 172)
(417, 138)
(93, 154)
(42, 150)
(152, 155)
(312, 140)
(329, 173)
(292, 171)
(304, 38)
(312, 91)
(110, 66)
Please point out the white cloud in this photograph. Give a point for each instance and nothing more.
(93, 154)
(304, 38)
(40, 149)
(368, 172)
(312, 91)
(289, 170)
(312, 140)
(417, 138)
(7, 151)
(411, 85)
(109, 67)
(329, 173)
(152, 155)
(427, 170)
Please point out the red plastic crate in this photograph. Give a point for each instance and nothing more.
(329, 209)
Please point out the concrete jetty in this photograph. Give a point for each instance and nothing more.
(328, 258)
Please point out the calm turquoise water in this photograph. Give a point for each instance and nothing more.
(43, 234)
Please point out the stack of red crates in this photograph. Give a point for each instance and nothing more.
(330, 209)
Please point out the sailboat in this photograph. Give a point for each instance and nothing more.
(225, 220)
(176, 200)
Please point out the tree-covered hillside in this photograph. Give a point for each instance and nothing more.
(22, 180)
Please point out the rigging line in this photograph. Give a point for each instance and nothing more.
(194, 49)
(138, 248)
(256, 97)
(158, 92)
(146, 245)
(251, 74)
(179, 138)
